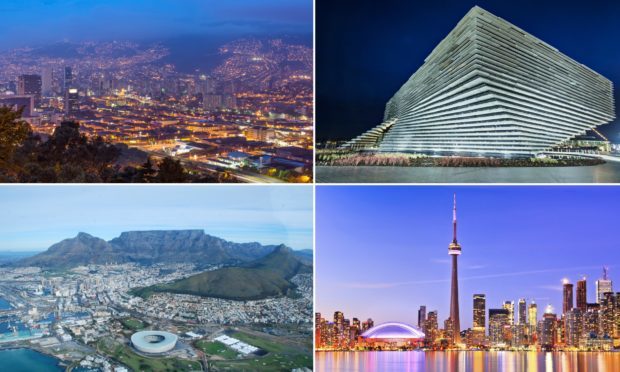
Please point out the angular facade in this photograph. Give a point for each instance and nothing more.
(491, 89)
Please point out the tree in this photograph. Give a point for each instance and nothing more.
(146, 173)
(171, 171)
(13, 132)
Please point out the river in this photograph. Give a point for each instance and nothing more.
(603, 173)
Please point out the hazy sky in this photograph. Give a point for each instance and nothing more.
(35, 217)
(381, 252)
(28, 22)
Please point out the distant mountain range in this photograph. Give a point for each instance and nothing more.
(151, 247)
(268, 276)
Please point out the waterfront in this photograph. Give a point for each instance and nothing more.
(26, 360)
(603, 173)
(466, 361)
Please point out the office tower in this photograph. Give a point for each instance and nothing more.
(67, 81)
(591, 320)
(603, 285)
(317, 330)
(479, 311)
(498, 322)
(547, 329)
(47, 80)
(369, 323)
(19, 102)
(510, 306)
(431, 327)
(30, 85)
(567, 296)
(607, 318)
(71, 102)
(491, 89)
(581, 294)
(532, 314)
(421, 316)
(574, 327)
(356, 326)
(339, 321)
(522, 313)
(454, 250)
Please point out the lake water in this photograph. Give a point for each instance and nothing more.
(27, 360)
(466, 361)
(603, 173)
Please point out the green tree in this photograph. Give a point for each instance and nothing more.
(171, 171)
(13, 132)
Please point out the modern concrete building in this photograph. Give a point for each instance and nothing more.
(154, 342)
(491, 89)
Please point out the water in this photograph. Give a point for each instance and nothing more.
(4, 304)
(27, 360)
(603, 173)
(466, 361)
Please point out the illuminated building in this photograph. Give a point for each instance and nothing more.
(574, 327)
(317, 330)
(454, 250)
(491, 89)
(547, 329)
(71, 101)
(510, 306)
(421, 316)
(498, 323)
(431, 328)
(393, 335)
(567, 296)
(67, 81)
(522, 313)
(581, 294)
(533, 317)
(19, 102)
(479, 323)
(603, 286)
(369, 323)
(591, 320)
(607, 318)
(30, 85)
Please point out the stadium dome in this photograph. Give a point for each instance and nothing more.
(393, 330)
(153, 342)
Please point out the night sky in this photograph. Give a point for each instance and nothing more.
(38, 22)
(366, 50)
(381, 252)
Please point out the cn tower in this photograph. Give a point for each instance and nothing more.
(454, 250)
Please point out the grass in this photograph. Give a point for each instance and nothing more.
(216, 348)
(124, 355)
(133, 324)
(281, 356)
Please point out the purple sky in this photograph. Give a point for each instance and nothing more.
(382, 251)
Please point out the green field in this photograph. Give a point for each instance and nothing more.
(124, 355)
(133, 324)
(280, 357)
(214, 348)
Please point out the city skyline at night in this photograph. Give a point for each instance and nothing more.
(520, 242)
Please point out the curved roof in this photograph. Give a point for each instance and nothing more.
(393, 330)
(154, 342)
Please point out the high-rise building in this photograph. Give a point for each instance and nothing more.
(47, 80)
(454, 250)
(67, 81)
(510, 306)
(522, 312)
(607, 316)
(17, 103)
(30, 85)
(421, 316)
(591, 321)
(581, 294)
(567, 296)
(71, 101)
(317, 330)
(532, 314)
(574, 327)
(479, 311)
(547, 329)
(498, 322)
(603, 286)
(431, 327)
(339, 320)
(491, 89)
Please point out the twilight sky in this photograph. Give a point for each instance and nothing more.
(35, 22)
(367, 49)
(381, 252)
(35, 217)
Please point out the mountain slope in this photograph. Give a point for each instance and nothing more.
(268, 276)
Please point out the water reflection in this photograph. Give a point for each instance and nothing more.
(467, 361)
(603, 173)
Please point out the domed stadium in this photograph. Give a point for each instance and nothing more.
(393, 334)
(153, 342)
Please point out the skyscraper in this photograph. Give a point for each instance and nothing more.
(71, 101)
(454, 250)
(67, 81)
(532, 315)
(522, 313)
(603, 286)
(567, 296)
(510, 306)
(30, 85)
(421, 316)
(479, 311)
(581, 294)
(498, 322)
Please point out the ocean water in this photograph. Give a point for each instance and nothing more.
(27, 360)
(405, 361)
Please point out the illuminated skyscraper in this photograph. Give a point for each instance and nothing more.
(574, 327)
(582, 298)
(498, 322)
(479, 311)
(603, 285)
(317, 330)
(491, 89)
(421, 316)
(454, 250)
(522, 313)
(547, 329)
(510, 306)
(67, 81)
(30, 85)
(567, 296)
(431, 327)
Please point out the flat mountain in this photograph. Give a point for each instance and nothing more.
(265, 277)
(147, 247)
